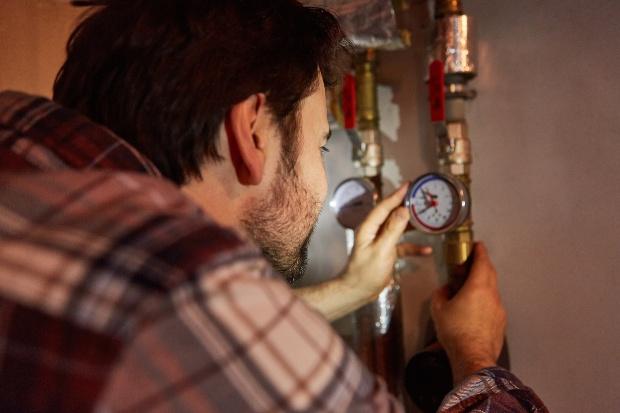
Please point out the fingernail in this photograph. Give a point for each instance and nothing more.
(427, 250)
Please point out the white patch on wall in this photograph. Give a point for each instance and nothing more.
(391, 173)
(389, 113)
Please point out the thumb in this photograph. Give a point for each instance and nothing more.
(367, 231)
(394, 228)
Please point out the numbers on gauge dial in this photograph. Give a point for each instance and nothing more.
(433, 203)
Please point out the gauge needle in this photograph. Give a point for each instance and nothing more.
(429, 199)
(427, 208)
(432, 201)
(428, 194)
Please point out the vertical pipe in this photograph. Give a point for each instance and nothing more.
(428, 374)
(454, 149)
(369, 156)
(366, 76)
(453, 47)
(379, 325)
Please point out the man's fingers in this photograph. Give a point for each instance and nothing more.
(407, 249)
(367, 231)
(393, 229)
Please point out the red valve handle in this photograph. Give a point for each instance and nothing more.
(437, 91)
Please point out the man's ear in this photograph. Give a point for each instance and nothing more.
(245, 140)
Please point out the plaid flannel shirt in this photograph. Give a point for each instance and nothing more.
(117, 293)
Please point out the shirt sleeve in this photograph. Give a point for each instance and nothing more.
(237, 341)
(492, 390)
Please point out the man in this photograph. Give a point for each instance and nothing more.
(127, 278)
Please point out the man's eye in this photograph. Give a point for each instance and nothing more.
(324, 149)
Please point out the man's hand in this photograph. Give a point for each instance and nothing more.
(371, 265)
(470, 326)
(374, 254)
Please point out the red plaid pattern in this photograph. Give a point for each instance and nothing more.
(117, 293)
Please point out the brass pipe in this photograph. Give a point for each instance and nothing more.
(458, 245)
(368, 153)
(366, 84)
(455, 158)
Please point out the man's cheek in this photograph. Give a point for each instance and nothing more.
(320, 189)
(321, 184)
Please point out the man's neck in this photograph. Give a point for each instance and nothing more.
(217, 202)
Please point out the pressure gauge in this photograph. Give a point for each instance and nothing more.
(353, 200)
(437, 203)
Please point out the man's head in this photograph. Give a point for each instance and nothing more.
(226, 97)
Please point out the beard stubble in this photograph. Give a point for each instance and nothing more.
(282, 224)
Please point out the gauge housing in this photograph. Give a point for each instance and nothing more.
(459, 198)
(353, 200)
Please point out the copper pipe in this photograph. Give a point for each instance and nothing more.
(448, 8)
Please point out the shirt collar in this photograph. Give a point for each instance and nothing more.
(39, 134)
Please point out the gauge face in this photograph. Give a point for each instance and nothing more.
(437, 203)
(352, 201)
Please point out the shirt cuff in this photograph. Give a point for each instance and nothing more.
(491, 383)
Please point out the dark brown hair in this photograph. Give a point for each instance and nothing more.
(162, 74)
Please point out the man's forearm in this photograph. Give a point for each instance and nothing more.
(333, 298)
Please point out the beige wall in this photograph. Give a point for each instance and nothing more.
(546, 136)
(33, 34)
(548, 183)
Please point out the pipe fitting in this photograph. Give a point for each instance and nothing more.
(454, 149)
(368, 154)
(454, 45)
